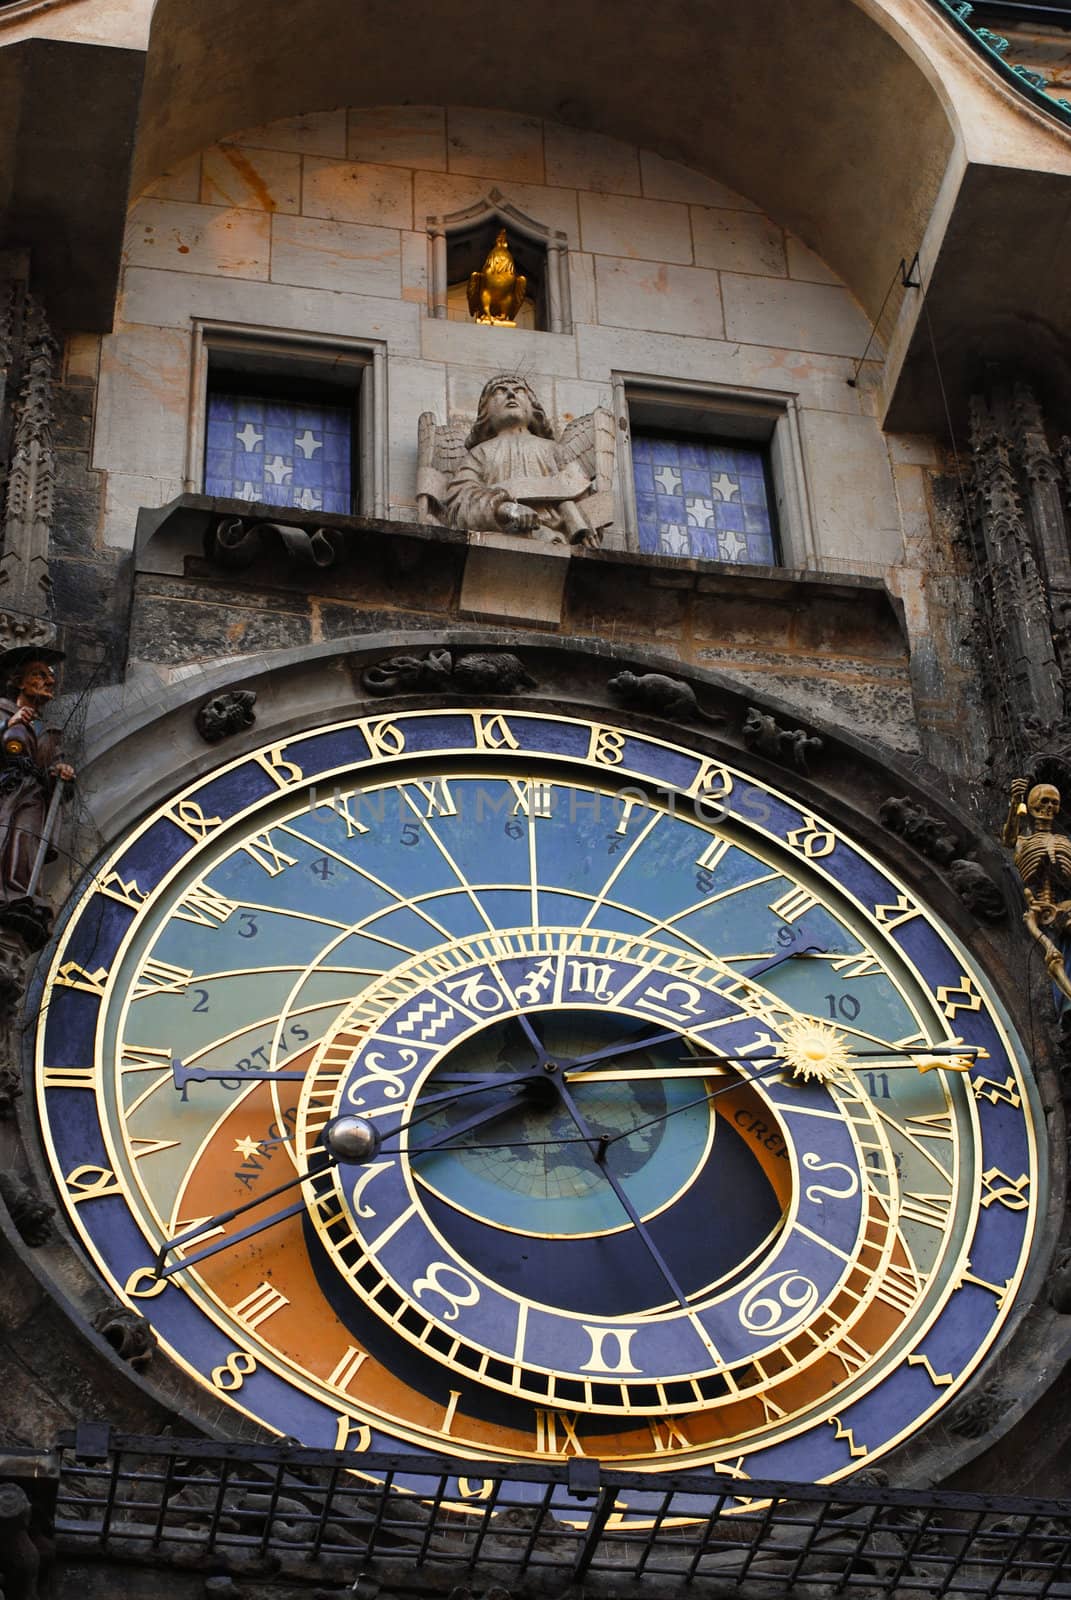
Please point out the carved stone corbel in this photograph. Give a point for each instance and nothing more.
(31, 1215)
(225, 714)
(662, 695)
(236, 543)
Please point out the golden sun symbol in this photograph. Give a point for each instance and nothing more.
(814, 1050)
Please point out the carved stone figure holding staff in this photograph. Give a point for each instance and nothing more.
(31, 771)
(1043, 861)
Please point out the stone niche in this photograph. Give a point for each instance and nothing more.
(460, 242)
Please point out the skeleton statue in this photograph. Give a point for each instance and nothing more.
(508, 473)
(1043, 861)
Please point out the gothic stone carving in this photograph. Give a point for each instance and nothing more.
(977, 890)
(25, 585)
(31, 1215)
(979, 1412)
(479, 672)
(130, 1336)
(926, 833)
(665, 696)
(227, 713)
(508, 473)
(765, 735)
(20, 1556)
(236, 542)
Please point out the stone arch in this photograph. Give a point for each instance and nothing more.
(759, 100)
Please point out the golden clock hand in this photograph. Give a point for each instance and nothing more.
(223, 1217)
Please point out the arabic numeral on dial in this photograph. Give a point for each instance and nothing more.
(779, 1303)
(877, 1084)
(238, 1366)
(410, 835)
(815, 1191)
(249, 927)
(465, 1294)
(202, 1001)
(843, 1005)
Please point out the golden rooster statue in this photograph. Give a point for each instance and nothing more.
(496, 292)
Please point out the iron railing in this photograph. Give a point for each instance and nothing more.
(311, 1512)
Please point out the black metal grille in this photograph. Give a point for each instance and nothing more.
(196, 1501)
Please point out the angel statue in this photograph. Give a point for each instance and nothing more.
(509, 474)
(1042, 859)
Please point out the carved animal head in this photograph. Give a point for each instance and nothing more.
(226, 713)
(624, 683)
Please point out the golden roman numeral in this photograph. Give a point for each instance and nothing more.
(667, 1435)
(263, 1302)
(205, 906)
(852, 1355)
(144, 1058)
(160, 977)
(533, 799)
(67, 1078)
(793, 905)
(709, 858)
(547, 1424)
(266, 853)
(930, 1209)
(931, 1125)
(899, 1288)
(863, 965)
(340, 804)
(439, 799)
(140, 1148)
(348, 1367)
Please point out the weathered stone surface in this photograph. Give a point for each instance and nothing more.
(172, 625)
(198, 238)
(665, 299)
(254, 180)
(336, 255)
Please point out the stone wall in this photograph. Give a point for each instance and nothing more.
(318, 225)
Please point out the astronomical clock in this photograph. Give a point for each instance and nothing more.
(513, 1086)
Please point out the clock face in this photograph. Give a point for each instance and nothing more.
(513, 1085)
